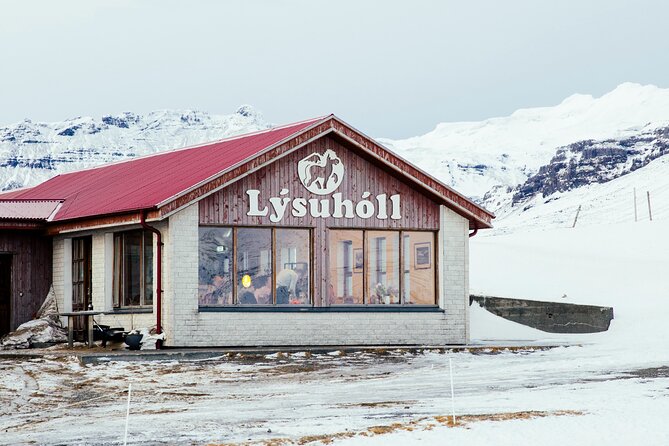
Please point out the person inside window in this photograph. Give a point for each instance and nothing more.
(247, 298)
(262, 290)
(286, 281)
(217, 293)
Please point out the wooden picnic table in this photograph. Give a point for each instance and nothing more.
(70, 325)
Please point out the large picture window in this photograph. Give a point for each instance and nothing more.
(254, 266)
(381, 267)
(133, 269)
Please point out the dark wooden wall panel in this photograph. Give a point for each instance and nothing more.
(230, 205)
(31, 271)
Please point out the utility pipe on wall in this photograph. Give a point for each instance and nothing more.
(159, 273)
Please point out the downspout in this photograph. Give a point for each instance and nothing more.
(159, 273)
(476, 230)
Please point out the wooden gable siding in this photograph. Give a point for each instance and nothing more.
(229, 205)
(31, 272)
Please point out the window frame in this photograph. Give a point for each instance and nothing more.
(401, 233)
(272, 260)
(119, 268)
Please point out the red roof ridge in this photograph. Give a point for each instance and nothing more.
(28, 200)
(194, 146)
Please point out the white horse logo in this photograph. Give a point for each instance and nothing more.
(321, 174)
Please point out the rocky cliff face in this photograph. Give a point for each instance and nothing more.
(587, 162)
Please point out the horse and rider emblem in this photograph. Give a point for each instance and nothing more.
(321, 174)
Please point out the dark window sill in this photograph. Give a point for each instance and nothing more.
(332, 309)
(130, 310)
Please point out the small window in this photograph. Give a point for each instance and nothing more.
(215, 266)
(133, 269)
(419, 269)
(346, 266)
(292, 267)
(254, 266)
(383, 267)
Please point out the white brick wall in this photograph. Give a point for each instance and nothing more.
(181, 250)
(58, 273)
(331, 328)
(454, 255)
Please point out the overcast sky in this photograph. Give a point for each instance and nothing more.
(392, 69)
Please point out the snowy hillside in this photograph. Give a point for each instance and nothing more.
(601, 203)
(474, 157)
(31, 152)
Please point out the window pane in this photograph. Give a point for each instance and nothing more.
(292, 267)
(254, 266)
(346, 268)
(383, 267)
(131, 269)
(419, 268)
(148, 268)
(215, 266)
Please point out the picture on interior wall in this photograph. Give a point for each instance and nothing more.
(358, 260)
(423, 255)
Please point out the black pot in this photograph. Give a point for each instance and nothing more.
(133, 341)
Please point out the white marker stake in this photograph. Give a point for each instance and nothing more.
(127, 415)
(450, 367)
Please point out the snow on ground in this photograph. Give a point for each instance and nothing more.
(606, 388)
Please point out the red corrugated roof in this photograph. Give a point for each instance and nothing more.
(27, 209)
(144, 182)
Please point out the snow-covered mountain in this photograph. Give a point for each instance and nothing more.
(535, 166)
(31, 152)
(475, 157)
(577, 166)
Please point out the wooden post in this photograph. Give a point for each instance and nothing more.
(635, 214)
(70, 332)
(91, 334)
(650, 213)
(127, 416)
(578, 211)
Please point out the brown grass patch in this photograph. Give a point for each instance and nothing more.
(447, 420)
(184, 394)
(424, 423)
(380, 404)
(160, 411)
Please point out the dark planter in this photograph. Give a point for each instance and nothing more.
(134, 341)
